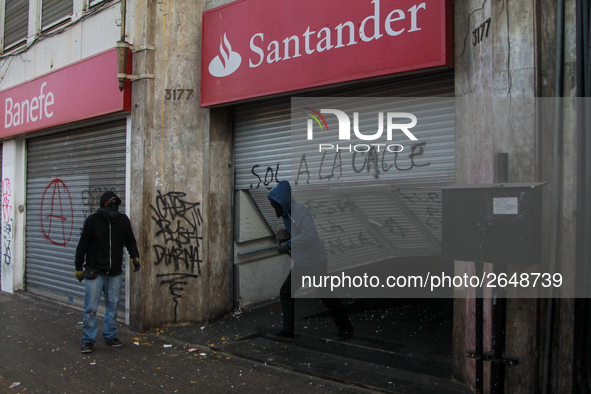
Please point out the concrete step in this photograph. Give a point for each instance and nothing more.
(385, 352)
(364, 374)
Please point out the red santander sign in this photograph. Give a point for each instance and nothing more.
(254, 48)
(82, 90)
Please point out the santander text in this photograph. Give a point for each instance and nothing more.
(345, 34)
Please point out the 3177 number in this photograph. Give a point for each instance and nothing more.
(177, 94)
(480, 32)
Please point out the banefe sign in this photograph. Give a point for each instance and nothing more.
(82, 90)
(254, 48)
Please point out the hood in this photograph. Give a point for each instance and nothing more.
(282, 195)
(106, 197)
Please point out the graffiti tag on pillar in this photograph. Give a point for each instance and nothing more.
(178, 224)
(7, 242)
(57, 213)
(6, 222)
(175, 284)
(6, 204)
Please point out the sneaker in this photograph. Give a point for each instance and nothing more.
(282, 336)
(114, 342)
(343, 335)
(86, 347)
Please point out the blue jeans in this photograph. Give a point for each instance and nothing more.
(110, 286)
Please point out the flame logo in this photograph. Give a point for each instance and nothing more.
(316, 117)
(230, 63)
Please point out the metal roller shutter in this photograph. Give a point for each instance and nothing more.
(262, 130)
(16, 21)
(263, 155)
(55, 10)
(66, 175)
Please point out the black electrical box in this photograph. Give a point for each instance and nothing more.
(492, 223)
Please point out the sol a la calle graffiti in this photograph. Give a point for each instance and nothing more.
(334, 164)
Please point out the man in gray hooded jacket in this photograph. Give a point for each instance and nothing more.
(310, 258)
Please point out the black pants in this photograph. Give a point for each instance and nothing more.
(337, 310)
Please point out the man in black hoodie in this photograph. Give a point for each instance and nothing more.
(104, 234)
(310, 258)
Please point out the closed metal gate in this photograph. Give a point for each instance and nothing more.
(263, 156)
(66, 175)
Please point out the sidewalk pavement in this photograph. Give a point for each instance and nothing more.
(40, 353)
(400, 346)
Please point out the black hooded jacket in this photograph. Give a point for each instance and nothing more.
(101, 243)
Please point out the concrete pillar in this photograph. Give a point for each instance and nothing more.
(219, 230)
(562, 324)
(500, 73)
(495, 45)
(13, 215)
(181, 186)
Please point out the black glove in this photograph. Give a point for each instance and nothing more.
(136, 264)
(282, 236)
(283, 248)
